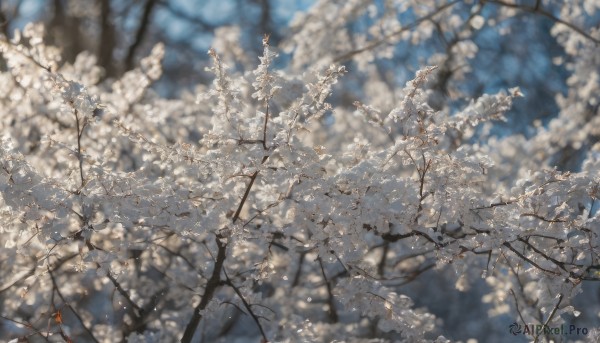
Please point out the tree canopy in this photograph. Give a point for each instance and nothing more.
(356, 171)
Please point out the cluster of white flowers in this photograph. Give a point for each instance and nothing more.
(259, 207)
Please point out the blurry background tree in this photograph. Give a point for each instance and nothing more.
(511, 49)
(119, 33)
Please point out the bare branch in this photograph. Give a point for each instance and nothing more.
(377, 43)
(211, 287)
(537, 9)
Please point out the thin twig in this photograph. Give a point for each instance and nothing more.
(264, 140)
(333, 316)
(299, 270)
(560, 298)
(246, 305)
(123, 292)
(80, 127)
(70, 307)
(509, 246)
(517, 306)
